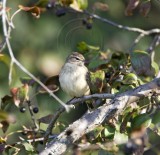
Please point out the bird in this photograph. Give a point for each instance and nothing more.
(74, 75)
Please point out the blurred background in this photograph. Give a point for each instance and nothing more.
(43, 44)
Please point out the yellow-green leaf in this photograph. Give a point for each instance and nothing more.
(130, 78)
(5, 59)
(97, 79)
(83, 4)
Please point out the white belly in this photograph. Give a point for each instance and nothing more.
(74, 82)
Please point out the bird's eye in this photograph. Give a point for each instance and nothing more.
(77, 58)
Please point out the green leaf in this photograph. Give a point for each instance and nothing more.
(109, 132)
(3, 115)
(123, 126)
(155, 67)
(97, 79)
(83, 47)
(95, 59)
(130, 78)
(83, 4)
(156, 117)
(5, 59)
(28, 147)
(95, 63)
(141, 63)
(142, 120)
(144, 101)
(120, 138)
(118, 58)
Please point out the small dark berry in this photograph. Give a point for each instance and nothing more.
(118, 87)
(88, 26)
(35, 110)
(84, 21)
(41, 142)
(107, 75)
(60, 12)
(22, 109)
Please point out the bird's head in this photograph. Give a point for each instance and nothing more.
(76, 58)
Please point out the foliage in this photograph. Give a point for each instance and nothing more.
(111, 71)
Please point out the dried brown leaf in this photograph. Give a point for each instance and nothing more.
(145, 8)
(132, 5)
(4, 125)
(34, 10)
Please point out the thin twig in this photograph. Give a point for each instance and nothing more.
(14, 60)
(15, 13)
(32, 140)
(10, 72)
(2, 45)
(105, 20)
(154, 44)
(36, 127)
(52, 122)
(136, 41)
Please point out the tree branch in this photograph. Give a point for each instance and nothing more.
(91, 120)
(105, 20)
(74, 102)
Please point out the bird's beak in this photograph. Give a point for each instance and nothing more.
(86, 62)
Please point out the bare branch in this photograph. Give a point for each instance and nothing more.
(91, 120)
